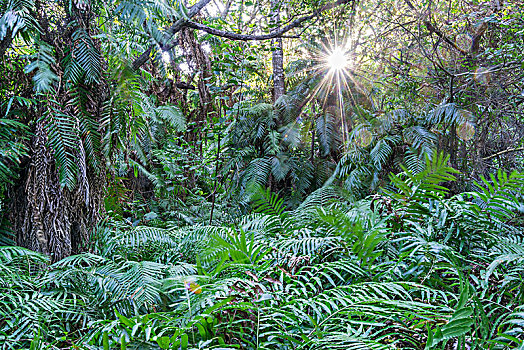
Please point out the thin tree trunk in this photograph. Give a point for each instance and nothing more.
(278, 54)
(215, 179)
(5, 43)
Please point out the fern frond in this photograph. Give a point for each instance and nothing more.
(173, 116)
(63, 138)
(43, 63)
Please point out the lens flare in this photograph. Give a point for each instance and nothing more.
(363, 137)
(465, 128)
(332, 62)
(464, 41)
(193, 287)
(465, 116)
(444, 53)
(427, 91)
(482, 76)
(465, 131)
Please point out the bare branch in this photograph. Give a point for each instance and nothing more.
(276, 33)
(181, 23)
(226, 9)
(433, 29)
(246, 37)
(140, 60)
(178, 25)
(504, 152)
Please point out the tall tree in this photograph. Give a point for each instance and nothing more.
(60, 191)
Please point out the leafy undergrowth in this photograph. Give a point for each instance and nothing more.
(410, 268)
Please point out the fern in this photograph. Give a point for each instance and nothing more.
(43, 63)
(268, 203)
(458, 325)
(17, 18)
(63, 139)
(498, 196)
(326, 132)
(88, 126)
(11, 148)
(425, 184)
(173, 116)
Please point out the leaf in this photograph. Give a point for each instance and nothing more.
(105, 340)
(163, 342)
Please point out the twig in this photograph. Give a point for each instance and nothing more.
(504, 152)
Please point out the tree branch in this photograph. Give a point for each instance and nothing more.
(247, 37)
(181, 23)
(140, 60)
(273, 34)
(170, 32)
(5, 43)
(178, 25)
(433, 29)
(504, 152)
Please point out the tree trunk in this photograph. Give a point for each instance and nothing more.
(46, 215)
(5, 42)
(278, 54)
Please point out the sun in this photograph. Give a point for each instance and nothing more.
(337, 59)
(334, 64)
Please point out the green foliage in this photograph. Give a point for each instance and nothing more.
(12, 149)
(64, 140)
(267, 145)
(426, 184)
(381, 142)
(331, 274)
(45, 76)
(234, 221)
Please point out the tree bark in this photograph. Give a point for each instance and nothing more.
(47, 217)
(6, 42)
(169, 42)
(279, 88)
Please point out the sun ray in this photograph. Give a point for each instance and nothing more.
(333, 63)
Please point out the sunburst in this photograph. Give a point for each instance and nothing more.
(337, 60)
(334, 63)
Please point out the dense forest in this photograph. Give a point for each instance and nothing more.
(261, 174)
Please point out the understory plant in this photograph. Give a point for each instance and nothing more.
(408, 268)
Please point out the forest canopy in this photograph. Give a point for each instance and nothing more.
(261, 174)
